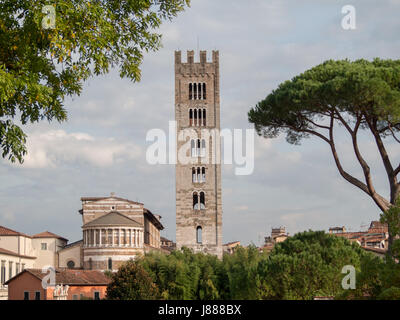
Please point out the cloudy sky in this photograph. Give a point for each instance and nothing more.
(102, 147)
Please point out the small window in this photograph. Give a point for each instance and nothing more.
(37, 295)
(193, 148)
(199, 235)
(203, 147)
(82, 296)
(96, 295)
(90, 264)
(202, 201)
(109, 264)
(195, 90)
(195, 117)
(203, 174)
(190, 91)
(204, 91)
(74, 297)
(44, 246)
(26, 295)
(112, 207)
(204, 118)
(195, 201)
(191, 117)
(194, 176)
(70, 264)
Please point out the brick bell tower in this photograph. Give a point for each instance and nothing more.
(198, 182)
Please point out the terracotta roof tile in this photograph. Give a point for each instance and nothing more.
(47, 234)
(72, 277)
(8, 232)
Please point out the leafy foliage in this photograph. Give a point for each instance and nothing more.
(309, 264)
(306, 265)
(39, 67)
(131, 282)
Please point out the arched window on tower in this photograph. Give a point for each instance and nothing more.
(204, 92)
(203, 174)
(195, 91)
(204, 117)
(199, 91)
(190, 91)
(195, 201)
(195, 117)
(190, 117)
(194, 176)
(200, 118)
(202, 201)
(198, 176)
(203, 147)
(198, 148)
(109, 264)
(199, 235)
(193, 148)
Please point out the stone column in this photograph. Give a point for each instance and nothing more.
(100, 237)
(112, 230)
(119, 237)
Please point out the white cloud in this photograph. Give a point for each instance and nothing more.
(55, 148)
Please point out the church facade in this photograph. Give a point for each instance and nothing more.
(114, 231)
(198, 181)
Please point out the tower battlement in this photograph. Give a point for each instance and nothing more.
(190, 57)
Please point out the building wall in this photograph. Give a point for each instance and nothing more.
(18, 244)
(25, 282)
(95, 209)
(79, 291)
(71, 253)
(23, 262)
(188, 219)
(97, 258)
(47, 257)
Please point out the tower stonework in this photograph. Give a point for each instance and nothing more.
(198, 182)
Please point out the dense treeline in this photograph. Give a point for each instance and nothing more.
(306, 265)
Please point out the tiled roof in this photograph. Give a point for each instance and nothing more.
(8, 232)
(47, 234)
(72, 277)
(113, 218)
(12, 253)
(377, 250)
(231, 243)
(73, 244)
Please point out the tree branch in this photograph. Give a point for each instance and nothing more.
(379, 200)
(385, 159)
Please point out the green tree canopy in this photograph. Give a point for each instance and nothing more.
(307, 265)
(359, 95)
(131, 282)
(42, 61)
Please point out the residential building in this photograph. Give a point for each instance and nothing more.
(68, 285)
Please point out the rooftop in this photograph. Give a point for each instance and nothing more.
(70, 277)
